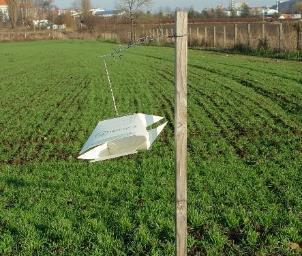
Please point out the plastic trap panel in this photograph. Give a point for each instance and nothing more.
(121, 136)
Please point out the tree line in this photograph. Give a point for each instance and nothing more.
(23, 12)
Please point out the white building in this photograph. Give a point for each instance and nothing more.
(108, 13)
(290, 17)
(270, 12)
(4, 9)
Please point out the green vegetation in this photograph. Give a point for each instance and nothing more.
(245, 127)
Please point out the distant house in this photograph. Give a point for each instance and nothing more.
(108, 13)
(257, 10)
(41, 23)
(4, 9)
(270, 12)
(75, 13)
(61, 11)
(290, 17)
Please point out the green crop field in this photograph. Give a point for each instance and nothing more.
(245, 153)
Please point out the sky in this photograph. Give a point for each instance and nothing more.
(157, 4)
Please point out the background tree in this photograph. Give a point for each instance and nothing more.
(219, 12)
(233, 12)
(87, 18)
(205, 13)
(298, 7)
(245, 10)
(2, 17)
(43, 8)
(191, 12)
(132, 7)
(85, 6)
(13, 12)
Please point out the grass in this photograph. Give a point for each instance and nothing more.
(245, 127)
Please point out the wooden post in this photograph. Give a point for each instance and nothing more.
(263, 31)
(197, 33)
(181, 131)
(235, 35)
(214, 32)
(224, 37)
(249, 34)
(280, 36)
(206, 35)
(299, 36)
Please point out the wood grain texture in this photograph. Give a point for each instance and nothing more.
(299, 36)
(214, 32)
(249, 34)
(206, 35)
(224, 36)
(181, 131)
(280, 36)
(236, 35)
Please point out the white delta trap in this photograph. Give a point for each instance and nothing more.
(121, 136)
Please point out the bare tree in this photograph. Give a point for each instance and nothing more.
(26, 11)
(13, 11)
(132, 7)
(86, 18)
(298, 6)
(86, 6)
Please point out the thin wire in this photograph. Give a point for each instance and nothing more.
(110, 85)
(122, 48)
(117, 52)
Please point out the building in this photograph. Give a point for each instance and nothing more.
(290, 17)
(257, 11)
(108, 13)
(4, 9)
(270, 12)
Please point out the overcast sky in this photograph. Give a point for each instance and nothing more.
(197, 4)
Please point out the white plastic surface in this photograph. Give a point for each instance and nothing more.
(120, 137)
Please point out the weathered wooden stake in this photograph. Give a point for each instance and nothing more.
(206, 36)
(280, 36)
(249, 34)
(235, 35)
(181, 131)
(224, 36)
(263, 31)
(214, 32)
(299, 36)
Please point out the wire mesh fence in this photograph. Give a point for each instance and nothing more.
(285, 36)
